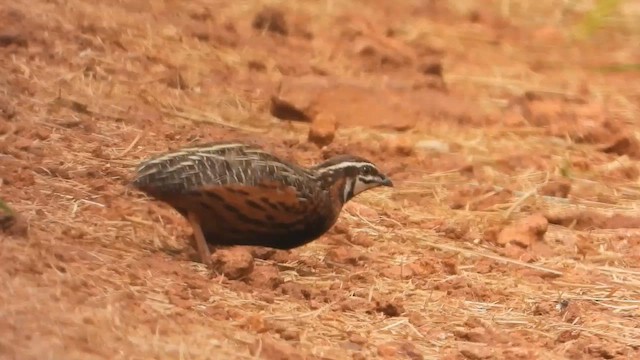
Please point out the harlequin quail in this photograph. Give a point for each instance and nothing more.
(237, 194)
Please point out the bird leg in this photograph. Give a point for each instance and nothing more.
(200, 241)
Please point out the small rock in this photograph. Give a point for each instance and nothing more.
(266, 277)
(476, 197)
(354, 304)
(199, 31)
(234, 263)
(323, 129)
(541, 249)
(426, 266)
(290, 334)
(584, 246)
(256, 323)
(269, 298)
(433, 72)
(376, 52)
(281, 256)
(173, 78)
(457, 230)
(273, 349)
(558, 189)
(543, 308)
(388, 350)
(571, 312)
(285, 109)
(390, 309)
(409, 349)
(298, 291)
(296, 99)
(11, 223)
(262, 253)
(474, 322)
(399, 145)
(450, 266)
(200, 14)
(22, 143)
(42, 133)
(170, 32)
(399, 272)
(358, 339)
(626, 145)
(516, 252)
(417, 319)
(361, 239)
(8, 38)
(257, 65)
(516, 352)
(344, 255)
(477, 335)
(567, 335)
(485, 266)
(524, 232)
(7, 111)
(358, 356)
(476, 352)
(599, 351)
(432, 68)
(271, 19)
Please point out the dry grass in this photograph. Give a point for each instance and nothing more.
(104, 272)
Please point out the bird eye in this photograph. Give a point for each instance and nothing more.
(367, 170)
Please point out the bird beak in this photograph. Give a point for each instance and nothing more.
(386, 182)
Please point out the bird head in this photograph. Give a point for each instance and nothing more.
(359, 174)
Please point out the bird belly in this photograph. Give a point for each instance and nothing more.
(239, 216)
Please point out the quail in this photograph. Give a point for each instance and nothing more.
(237, 194)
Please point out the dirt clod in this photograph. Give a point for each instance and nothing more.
(174, 79)
(8, 38)
(272, 20)
(582, 220)
(524, 232)
(361, 239)
(399, 272)
(358, 339)
(268, 347)
(390, 309)
(234, 263)
(388, 350)
(625, 145)
(475, 352)
(478, 335)
(265, 276)
(322, 130)
(558, 189)
(399, 145)
(344, 255)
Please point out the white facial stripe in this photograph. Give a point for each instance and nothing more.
(343, 165)
(361, 186)
(369, 178)
(348, 188)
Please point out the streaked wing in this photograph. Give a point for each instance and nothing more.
(215, 164)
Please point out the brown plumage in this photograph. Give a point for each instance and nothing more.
(237, 194)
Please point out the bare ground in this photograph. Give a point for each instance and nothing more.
(512, 232)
